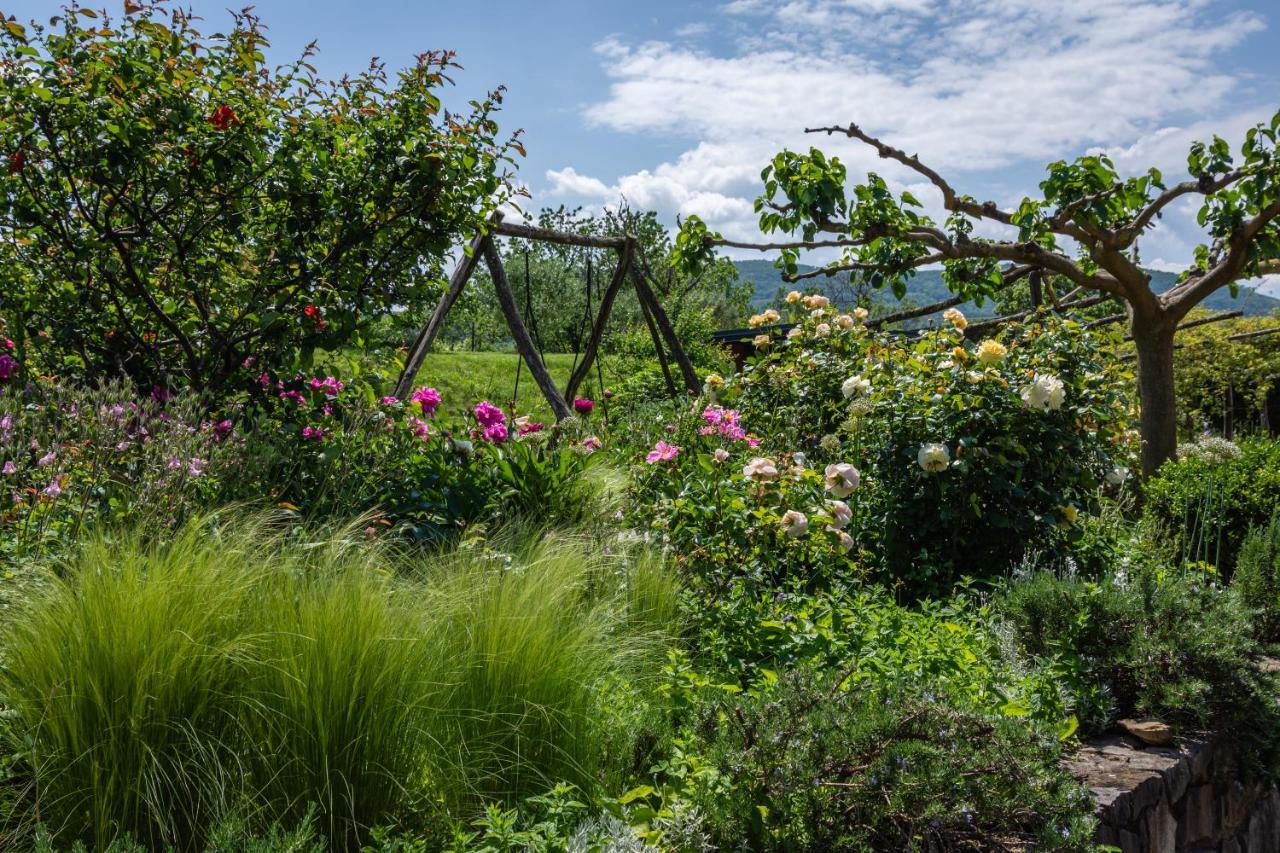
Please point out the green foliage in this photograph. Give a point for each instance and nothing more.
(244, 669)
(176, 205)
(1257, 578)
(1202, 505)
(1151, 642)
(1214, 375)
(806, 765)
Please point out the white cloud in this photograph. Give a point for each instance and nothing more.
(979, 88)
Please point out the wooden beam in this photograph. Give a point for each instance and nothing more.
(564, 238)
(1204, 321)
(912, 313)
(668, 332)
(422, 345)
(524, 344)
(602, 319)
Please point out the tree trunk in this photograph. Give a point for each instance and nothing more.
(1153, 340)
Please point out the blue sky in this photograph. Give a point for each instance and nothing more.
(678, 105)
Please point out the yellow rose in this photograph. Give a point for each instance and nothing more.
(991, 352)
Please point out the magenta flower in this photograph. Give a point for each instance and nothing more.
(530, 427)
(329, 385)
(583, 406)
(8, 366)
(311, 433)
(662, 452)
(10, 468)
(223, 429)
(496, 433)
(295, 396)
(427, 398)
(591, 443)
(488, 414)
(195, 466)
(160, 394)
(53, 489)
(389, 400)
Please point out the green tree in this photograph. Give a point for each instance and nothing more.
(1084, 228)
(173, 207)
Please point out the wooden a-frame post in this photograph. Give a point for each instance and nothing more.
(483, 246)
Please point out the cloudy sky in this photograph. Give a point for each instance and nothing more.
(676, 106)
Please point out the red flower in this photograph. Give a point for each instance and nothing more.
(193, 159)
(313, 313)
(223, 117)
(17, 160)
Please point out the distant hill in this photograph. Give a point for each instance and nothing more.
(927, 287)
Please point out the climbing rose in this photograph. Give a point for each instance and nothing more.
(582, 405)
(389, 400)
(761, 341)
(841, 479)
(822, 330)
(933, 457)
(1046, 393)
(846, 542)
(721, 454)
(429, 398)
(793, 296)
(990, 352)
(956, 318)
(662, 452)
(794, 523)
(861, 314)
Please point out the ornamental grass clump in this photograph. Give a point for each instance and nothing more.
(244, 669)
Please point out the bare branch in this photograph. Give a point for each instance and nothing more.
(950, 200)
(1183, 296)
(1205, 185)
(856, 266)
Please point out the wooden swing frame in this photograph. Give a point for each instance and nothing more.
(483, 246)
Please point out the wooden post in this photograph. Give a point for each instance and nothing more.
(422, 345)
(664, 325)
(657, 348)
(524, 344)
(602, 319)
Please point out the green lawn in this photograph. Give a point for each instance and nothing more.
(463, 378)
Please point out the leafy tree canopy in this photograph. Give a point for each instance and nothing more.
(176, 211)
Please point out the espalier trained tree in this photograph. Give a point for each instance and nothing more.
(174, 210)
(1084, 229)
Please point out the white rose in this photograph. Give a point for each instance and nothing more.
(760, 469)
(721, 454)
(841, 479)
(933, 457)
(1046, 393)
(855, 386)
(794, 523)
(841, 515)
(846, 542)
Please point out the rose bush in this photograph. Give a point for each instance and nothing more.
(956, 457)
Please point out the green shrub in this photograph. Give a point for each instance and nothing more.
(1257, 578)
(1022, 435)
(1167, 644)
(807, 766)
(237, 670)
(1202, 505)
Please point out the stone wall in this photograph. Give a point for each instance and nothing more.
(1170, 799)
